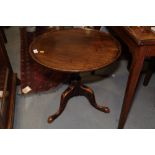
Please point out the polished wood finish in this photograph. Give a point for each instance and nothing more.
(141, 35)
(11, 108)
(77, 88)
(75, 51)
(141, 46)
(8, 86)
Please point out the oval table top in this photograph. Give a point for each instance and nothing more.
(75, 50)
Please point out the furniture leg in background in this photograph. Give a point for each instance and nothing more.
(141, 45)
(135, 70)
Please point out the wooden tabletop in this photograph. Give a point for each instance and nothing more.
(75, 50)
(141, 36)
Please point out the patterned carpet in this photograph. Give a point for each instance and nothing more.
(33, 75)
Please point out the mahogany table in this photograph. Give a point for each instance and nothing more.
(75, 51)
(141, 44)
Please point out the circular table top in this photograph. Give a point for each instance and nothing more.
(75, 50)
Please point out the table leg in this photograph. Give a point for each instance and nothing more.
(136, 66)
(76, 88)
(67, 94)
(89, 94)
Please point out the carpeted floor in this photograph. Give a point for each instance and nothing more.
(32, 110)
(33, 75)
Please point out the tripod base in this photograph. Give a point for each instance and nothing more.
(76, 88)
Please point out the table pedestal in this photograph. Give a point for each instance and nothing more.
(76, 88)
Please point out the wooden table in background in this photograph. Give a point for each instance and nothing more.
(75, 51)
(141, 44)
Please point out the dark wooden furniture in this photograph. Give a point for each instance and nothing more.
(141, 44)
(75, 51)
(7, 88)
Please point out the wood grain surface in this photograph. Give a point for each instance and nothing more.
(75, 50)
(140, 35)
